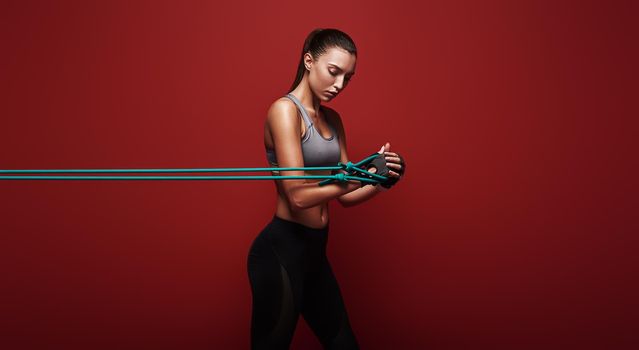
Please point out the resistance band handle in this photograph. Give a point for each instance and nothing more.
(360, 168)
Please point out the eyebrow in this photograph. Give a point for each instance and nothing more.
(338, 67)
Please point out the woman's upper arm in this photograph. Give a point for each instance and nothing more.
(284, 125)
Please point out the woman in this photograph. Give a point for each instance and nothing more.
(287, 265)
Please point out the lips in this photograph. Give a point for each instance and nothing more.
(332, 93)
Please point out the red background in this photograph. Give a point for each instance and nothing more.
(514, 228)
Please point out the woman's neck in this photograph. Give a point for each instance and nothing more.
(307, 98)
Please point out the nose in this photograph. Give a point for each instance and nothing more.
(339, 84)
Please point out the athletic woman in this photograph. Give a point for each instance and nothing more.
(287, 265)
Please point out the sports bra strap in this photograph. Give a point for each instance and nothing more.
(305, 116)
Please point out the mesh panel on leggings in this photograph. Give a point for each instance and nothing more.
(286, 320)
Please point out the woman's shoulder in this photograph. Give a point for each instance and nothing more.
(282, 110)
(282, 102)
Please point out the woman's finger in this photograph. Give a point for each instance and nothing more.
(393, 159)
(393, 165)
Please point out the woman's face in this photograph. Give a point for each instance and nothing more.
(330, 74)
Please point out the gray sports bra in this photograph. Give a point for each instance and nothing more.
(316, 150)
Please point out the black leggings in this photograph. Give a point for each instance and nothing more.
(290, 274)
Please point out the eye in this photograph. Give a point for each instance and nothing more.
(332, 73)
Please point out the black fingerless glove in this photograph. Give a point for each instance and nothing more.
(379, 163)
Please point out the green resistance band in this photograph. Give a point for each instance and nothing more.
(351, 173)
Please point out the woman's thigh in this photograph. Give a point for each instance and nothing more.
(274, 314)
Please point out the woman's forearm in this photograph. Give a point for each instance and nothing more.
(360, 195)
(310, 194)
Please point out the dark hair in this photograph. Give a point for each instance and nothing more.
(317, 42)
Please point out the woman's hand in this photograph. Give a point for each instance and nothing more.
(395, 163)
(395, 166)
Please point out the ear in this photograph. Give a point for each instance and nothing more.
(308, 61)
